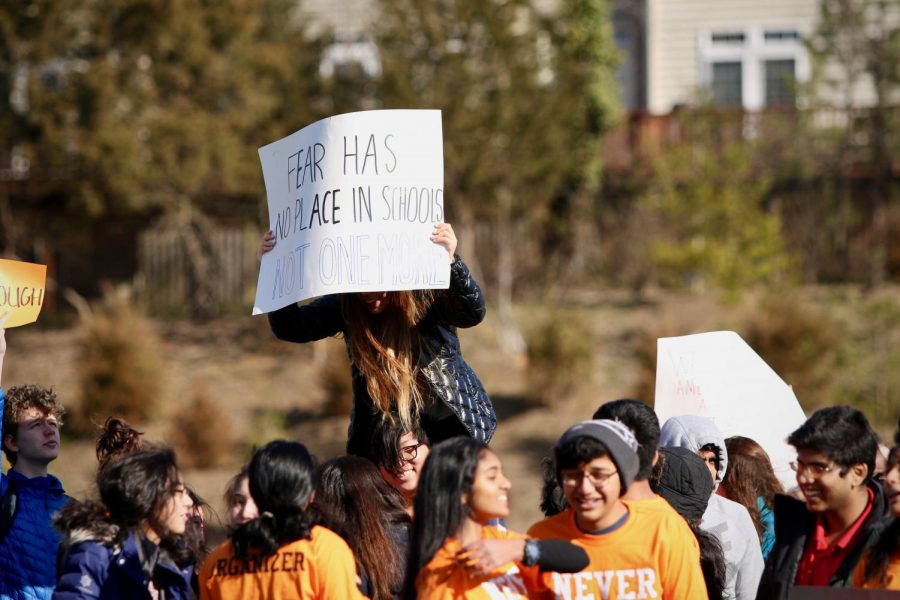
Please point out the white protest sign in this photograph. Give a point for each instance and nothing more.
(353, 200)
(718, 375)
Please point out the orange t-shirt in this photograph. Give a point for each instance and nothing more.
(892, 577)
(445, 578)
(317, 568)
(653, 554)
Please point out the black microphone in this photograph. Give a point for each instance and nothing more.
(561, 556)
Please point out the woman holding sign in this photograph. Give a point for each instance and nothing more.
(406, 363)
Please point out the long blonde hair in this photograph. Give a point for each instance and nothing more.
(386, 347)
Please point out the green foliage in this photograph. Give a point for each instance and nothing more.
(560, 355)
(201, 432)
(711, 225)
(523, 97)
(855, 51)
(154, 104)
(586, 60)
(866, 375)
(119, 365)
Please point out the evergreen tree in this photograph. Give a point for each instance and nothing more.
(156, 107)
(522, 111)
(712, 227)
(856, 65)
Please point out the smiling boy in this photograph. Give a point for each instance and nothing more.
(633, 553)
(30, 439)
(818, 541)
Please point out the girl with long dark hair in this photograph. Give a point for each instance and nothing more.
(880, 569)
(454, 552)
(281, 554)
(117, 439)
(406, 362)
(370, 515)
(128, 544)
(750, 481)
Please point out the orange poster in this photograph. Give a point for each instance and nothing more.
(21, 291)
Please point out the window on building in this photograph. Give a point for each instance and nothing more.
(727, 86)
(780, 35)
(754, 68)
(780, 82)
(728, 38)
(628, 41)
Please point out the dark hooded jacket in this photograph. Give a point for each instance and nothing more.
(793, 526)
(727, 520)
(452, 384)
(94, 564)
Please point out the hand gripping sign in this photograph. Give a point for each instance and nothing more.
(718, 375)
(353, 200)
(21, 291)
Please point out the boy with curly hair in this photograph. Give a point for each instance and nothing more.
(32, 416)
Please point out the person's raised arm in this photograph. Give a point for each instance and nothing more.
(314, 321)
(462, 305)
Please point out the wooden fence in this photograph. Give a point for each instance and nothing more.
(169, 282)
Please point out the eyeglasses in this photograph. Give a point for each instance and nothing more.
(409, 453)
(815, 469)
(596, 478)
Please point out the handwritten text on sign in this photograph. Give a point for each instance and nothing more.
(21, 291)
(352, 202)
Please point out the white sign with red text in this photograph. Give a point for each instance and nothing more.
(719, 376)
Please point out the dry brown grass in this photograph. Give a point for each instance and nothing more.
(201, 432)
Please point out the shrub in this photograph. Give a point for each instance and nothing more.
(118, 366)
(560, 353)
(266, 424)
(201, 432)
(713, 228)
(866, 374)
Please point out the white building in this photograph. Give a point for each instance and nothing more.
(747, 54)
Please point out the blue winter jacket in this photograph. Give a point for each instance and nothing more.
(98, 568)
(28, 552)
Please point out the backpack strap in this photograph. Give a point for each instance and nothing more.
(9, 504)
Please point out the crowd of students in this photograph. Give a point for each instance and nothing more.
(418, 506)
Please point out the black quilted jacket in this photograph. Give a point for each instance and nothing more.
(450, 380)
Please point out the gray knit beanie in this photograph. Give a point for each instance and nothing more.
(617, 438)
